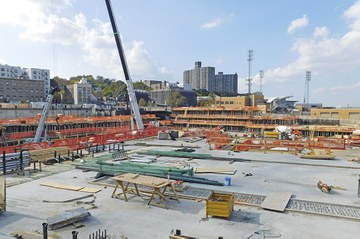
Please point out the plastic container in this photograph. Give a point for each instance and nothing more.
(227, 181)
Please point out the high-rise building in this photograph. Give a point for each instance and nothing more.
(226, 82)
(200, 77)
(205, 78)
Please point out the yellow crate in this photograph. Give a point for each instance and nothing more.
(220, 205)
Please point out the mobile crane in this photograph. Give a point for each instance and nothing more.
(130, 87)
(45, 113)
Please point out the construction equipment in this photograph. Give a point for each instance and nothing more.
(44, 114)
(130, 87)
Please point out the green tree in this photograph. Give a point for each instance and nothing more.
(176, 99)
(141, 86)
(142, 102)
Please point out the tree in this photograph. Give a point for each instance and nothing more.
(142, 102)
(141, 86)
(176, 99)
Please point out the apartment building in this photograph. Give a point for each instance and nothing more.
(21, 90)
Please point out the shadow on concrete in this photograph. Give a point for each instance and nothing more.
(245, 217)
(11, 217)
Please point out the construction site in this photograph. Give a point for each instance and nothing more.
(207, 172)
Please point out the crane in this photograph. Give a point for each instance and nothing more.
(130, 87)
(45, 113)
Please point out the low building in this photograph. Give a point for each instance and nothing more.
(82, 92)
(336, 113)
(22, 90)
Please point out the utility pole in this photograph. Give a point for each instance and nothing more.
(261, 73)
(250, 58)
(307, 89)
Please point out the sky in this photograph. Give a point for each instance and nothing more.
(163, 38)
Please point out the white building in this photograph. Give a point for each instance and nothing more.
(10, 72)
(82, 92)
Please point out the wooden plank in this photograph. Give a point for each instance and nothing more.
(62, 186)
(2, 194)
(276, 201)
(220, 170)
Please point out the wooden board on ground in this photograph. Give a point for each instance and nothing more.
(2, 194)
(62, 186)
(276, 201)
(219, 170)
(70, 187)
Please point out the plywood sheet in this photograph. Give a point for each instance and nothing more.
(276, 201)
(220, 170)
(61, 186)
(143, 180)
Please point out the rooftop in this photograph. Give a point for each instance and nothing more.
(271, 172)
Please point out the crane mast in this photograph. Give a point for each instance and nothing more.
(44, 114)
(130, 87)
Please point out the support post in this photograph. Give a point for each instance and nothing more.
(45, 225)
(359, 186)
(4, 162)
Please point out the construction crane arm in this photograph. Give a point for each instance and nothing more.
(45, 113)
(130, 87)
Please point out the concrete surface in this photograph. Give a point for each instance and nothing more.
(134, 219)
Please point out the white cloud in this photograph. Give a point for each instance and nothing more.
(298, 23)
(324, 55)
(213, 24)
(321, 32)
(41, 21)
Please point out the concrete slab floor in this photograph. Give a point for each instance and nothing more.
(134, 219)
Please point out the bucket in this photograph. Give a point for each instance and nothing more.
(227, 181)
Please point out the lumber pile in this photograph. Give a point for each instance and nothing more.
(43, 155)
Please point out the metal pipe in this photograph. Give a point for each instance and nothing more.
(45, 225)
(21, 161)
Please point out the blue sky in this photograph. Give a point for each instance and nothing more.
(164, 38)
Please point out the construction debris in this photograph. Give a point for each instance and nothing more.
(324, 187)
(67, 218)
(70, 187)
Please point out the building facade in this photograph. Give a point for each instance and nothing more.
(336, 113)
(16, 72)
(39, 74)
(226, 82)
(21, 90)
(82, 92)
